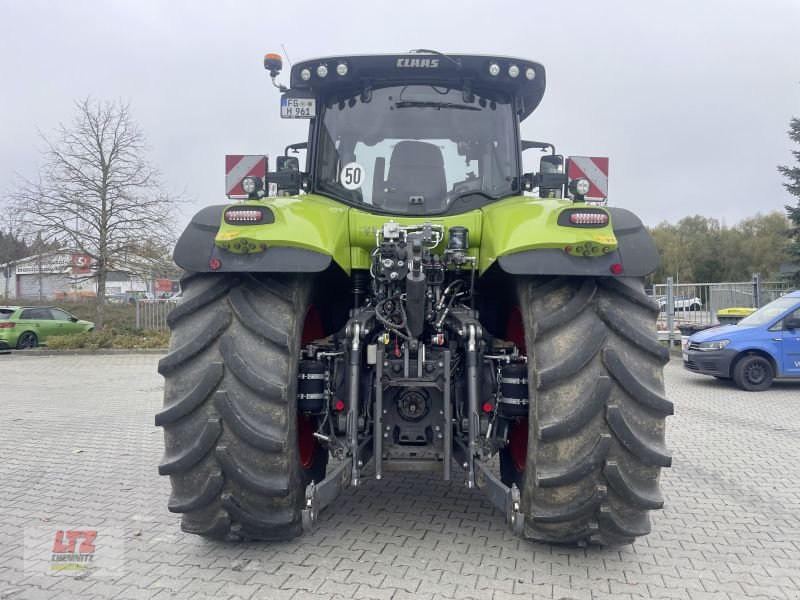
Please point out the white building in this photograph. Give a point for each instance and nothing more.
(60, 274)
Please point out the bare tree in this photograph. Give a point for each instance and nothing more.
(97, 193)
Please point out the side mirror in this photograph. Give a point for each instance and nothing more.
(551, 163)
(286, 177)
(551, 178)
(791, 323)
(287, 163)
(74, 319)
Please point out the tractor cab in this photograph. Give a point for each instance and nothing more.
(418, 134)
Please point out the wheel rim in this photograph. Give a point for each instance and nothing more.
(312, 326)
(307, 444)
(515, 329)
(518, 444)
(26, 341)
(756, 373)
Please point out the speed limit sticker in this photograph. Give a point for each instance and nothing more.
(352, 176)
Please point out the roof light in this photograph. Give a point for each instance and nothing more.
(530, 74)
(305, 74)
(513, 71)
(322, 71)
(494, 69)
(242, 215)
(273, 63)
(593, 218)
(341, 69)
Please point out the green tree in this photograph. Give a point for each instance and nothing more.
(792, 184)
(699, 249)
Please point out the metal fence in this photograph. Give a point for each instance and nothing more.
(695, 305)
(152, 314)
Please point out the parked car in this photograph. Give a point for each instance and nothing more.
(758, 349)
(681, 302)
(30, 326)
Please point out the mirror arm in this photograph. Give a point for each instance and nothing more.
(296, 147)
(543, 146)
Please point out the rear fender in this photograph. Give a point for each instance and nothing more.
(297, 235)
(525, 237)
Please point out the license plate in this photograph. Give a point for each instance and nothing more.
(298, 108)
(685, 357)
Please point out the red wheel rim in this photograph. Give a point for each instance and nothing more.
(515, 329)
(518, 444)
(312, 327)
(307, 444)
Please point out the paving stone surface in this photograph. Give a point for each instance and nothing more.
(78, 450)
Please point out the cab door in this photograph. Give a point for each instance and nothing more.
(791, 346)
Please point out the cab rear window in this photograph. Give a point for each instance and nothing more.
(5, 313)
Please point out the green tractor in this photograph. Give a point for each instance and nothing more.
(401, 304)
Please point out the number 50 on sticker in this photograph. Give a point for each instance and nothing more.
(352, 176)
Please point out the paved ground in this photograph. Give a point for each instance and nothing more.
(71, 457)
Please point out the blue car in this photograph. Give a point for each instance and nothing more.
(758, 349)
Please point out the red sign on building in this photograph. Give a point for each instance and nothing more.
(163, 285)
(81, 264)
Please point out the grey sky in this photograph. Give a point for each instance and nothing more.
(691, 100)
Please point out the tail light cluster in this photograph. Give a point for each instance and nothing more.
(583, 217)
(7, 325)
(243, 215)
(588, 218)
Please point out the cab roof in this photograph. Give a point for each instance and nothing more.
(425, 67)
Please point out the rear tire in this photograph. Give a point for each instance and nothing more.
(230, 406)
(753, 373)
(597, 413)
(27, 340)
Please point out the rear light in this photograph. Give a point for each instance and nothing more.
(616, 269)
(7, 325)
(487, 407)
(214, 264)
(593, 218)
(339, 405)
(240, 215)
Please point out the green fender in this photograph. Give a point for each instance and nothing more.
(533, 236)
(296, 234)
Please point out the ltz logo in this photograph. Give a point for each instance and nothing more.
(68, 554)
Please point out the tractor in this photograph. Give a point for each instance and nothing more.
(411, 300)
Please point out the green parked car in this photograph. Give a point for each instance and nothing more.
(29, 326)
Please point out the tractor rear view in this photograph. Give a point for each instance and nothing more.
(404, 302)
